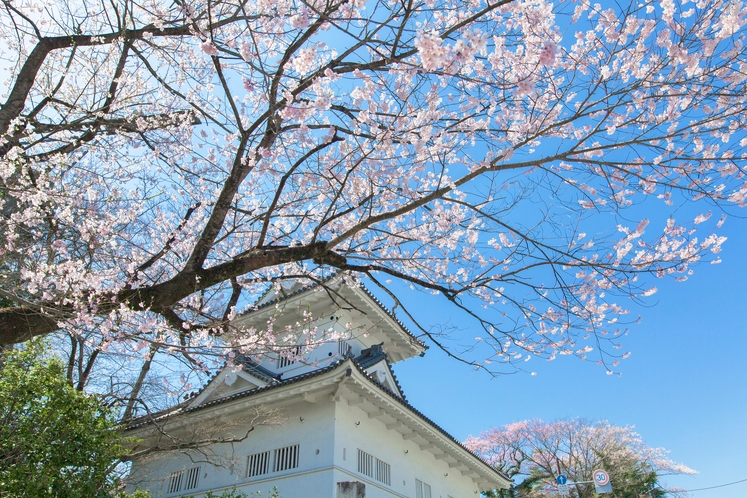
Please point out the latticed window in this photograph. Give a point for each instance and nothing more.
(184, 480)
(373, 467)
(276, 460)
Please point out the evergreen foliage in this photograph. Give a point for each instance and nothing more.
(54, 440)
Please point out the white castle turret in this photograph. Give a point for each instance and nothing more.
(320, 415)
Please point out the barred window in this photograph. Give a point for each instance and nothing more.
(175, 481)
(365, 463)
(342, 348)
(289, 356)
(258, 464)
(373, 467)
(422, 490)
(184, 480)
(383, 472)
(276, 460)
(286, 458)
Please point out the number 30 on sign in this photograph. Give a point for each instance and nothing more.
(602, 481)
(601, 477)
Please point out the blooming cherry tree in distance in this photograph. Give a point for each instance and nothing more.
(534, 453)
(535, 164)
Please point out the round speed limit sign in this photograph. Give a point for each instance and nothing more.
(601, 477)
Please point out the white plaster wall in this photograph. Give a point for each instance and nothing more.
(332, 429)
(320, 356)
(372, 436)
(358, 338)
(313, 477)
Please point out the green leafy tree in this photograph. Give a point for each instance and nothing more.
(54, 440)
(234, 493)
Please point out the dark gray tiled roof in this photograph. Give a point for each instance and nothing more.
(371, 356)
(259, 371)
(184, 406)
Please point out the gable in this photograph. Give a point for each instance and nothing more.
(280, 291)
(228, 381)
(382, 374)
(337, 307)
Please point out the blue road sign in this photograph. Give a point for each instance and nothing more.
(562, 479)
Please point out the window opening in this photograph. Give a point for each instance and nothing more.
(422, 490)
(175, 481)
(289, 356)
(373, 467)
(184, 479)
(286, 458)
(258, 464)
(276, 460)
(342, 348)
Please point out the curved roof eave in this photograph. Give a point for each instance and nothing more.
(182, 410)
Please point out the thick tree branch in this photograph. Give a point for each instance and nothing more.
(21, 324)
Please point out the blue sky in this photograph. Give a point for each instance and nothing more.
(683, 388)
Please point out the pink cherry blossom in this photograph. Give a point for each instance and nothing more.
(520, 160)
(209, 49)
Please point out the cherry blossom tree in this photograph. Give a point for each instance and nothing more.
(535, 164)
(534, 453)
